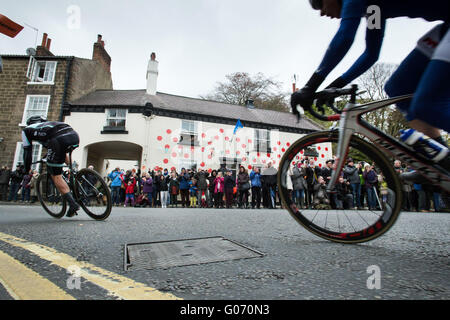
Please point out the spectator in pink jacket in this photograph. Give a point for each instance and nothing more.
(219, 186)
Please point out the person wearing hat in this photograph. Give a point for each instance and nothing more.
(351, 173)
(16, 180)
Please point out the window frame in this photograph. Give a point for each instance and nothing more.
(32, 71)
(258, 141)
(25, 115)
(116, 118)
(18, 155)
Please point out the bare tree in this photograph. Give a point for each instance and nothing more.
(388, 119)
(239, 87)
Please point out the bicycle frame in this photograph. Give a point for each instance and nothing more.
(351, 122)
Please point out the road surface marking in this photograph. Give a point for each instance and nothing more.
(118, 286)
(22, 283)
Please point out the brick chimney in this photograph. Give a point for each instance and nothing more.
(44, 49)
(152, 75)
(99, 54)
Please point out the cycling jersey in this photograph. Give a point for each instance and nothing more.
(55, 136)
(351, 13)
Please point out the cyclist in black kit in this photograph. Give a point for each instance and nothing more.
(57, 137)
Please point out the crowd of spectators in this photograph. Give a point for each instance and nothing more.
(360, 186)
(190, 188)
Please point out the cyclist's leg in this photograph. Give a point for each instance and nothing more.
(409, 77)
(431, 102)
(56, 157)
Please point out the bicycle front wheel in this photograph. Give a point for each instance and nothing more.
(93, 194)
(49, 196)
(355, 211)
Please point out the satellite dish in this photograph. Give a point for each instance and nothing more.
(31, 52)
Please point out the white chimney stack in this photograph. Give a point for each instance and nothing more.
(152, 75)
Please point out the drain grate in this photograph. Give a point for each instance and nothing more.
(178, 253)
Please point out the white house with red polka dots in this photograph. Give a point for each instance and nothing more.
(168, 131)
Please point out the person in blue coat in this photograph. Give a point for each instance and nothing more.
(116, 183)
(255, 179)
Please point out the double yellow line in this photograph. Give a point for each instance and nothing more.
(23, 283)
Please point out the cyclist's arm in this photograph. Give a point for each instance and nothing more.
(374, 40)
(339, 46)
(27, 152)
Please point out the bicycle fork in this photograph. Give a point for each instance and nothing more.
(345, 135)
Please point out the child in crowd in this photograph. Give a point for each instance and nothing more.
(193, 192)
(129, 192)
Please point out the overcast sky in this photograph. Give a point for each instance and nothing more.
(198, 42)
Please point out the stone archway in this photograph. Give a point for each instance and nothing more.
(98, 153)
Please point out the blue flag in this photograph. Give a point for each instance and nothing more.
(238, 126)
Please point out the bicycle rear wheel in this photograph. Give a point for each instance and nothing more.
(93, 194)
(49, 196)
(341, 218)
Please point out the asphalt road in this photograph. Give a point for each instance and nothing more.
(412, 258)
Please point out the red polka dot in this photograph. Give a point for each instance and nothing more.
(203, 149)
(249, 140)
(320, 165)
(238, 140)
(203, 135)
(166, 161)
(227, 151)
(174, 154)
(244, 159)
(279, 143)
(315, 158)
(222, 131)
(258, 154)
(249, 167)
(244, 146)
(274, 149)
(202, 164)
(175, 140)
(180, 147)
(238, 153)
(301, 152)
(169, 131)
(216, 137)
(210, 157)
(227, 138)
(192, 148)
(254, 160)
(173, 169)
(209, 170)
(283, 150)
(288, 144)
(326, 149)
(323, 156)
(318, 148)
(167, 146)
(264, 161)
(186, 155)
(159, 138)
(279, 156)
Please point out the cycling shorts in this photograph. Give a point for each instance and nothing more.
(57, 150)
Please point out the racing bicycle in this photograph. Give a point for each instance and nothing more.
(88, 187)
(355, 138)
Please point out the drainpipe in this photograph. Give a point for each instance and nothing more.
(66, 85)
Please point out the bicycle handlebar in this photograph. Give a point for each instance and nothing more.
(328, 95)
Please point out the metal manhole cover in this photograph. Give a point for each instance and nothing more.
(184, 253)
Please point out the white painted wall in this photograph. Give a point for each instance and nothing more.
(159, 137)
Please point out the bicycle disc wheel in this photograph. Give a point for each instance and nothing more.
(49, 197)
(337, 215)
(93, 194)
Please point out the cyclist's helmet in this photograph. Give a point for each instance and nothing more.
(316, 4)
(35, 119)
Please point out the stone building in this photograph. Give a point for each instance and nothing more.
(41, 83)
